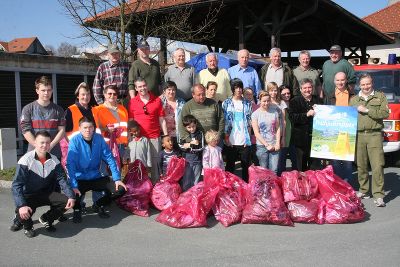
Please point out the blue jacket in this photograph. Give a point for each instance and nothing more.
(32, 177)
(83, 162)
(229, 110)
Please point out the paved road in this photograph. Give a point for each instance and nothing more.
(136, 241)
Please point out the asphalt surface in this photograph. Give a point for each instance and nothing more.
(137, 241)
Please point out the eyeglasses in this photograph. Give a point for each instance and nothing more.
(112, 94)
(145, 110)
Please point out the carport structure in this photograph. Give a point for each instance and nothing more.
(258, 25)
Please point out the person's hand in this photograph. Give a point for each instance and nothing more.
(227, 142)
(111, 128)
(195, 142)
(270, 147)
(70, 203)
(277, 146)
(25, 212)
(77, 192)
(362, 109)
(310, 113)
(120, 183)
(186, 145)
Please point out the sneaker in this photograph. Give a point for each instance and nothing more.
(102, 213)
(62, 218)
(30, 233)
(363, 195)
(379, 202)
(16, 226)
(77, 218)
(47, 225)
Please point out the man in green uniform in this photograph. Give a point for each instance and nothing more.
(372, 109)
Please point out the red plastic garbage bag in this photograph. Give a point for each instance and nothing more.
(231, 197)
(299, 185)
(191, 209)
(64, 152)
(303, 210)
(167, 190)
(114, 146)
(264, 201)
(340, 203)
(137, 197)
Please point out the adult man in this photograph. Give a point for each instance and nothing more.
(334, 65)
(245, 73)
(182, 74)
(304, 70)
(43, 114)
(113, 71)
(278, 72)
(85, 152)
(146, 68)
(372, 108)
(220, 76)
(147, 110)
(37, 175)
(207, 112)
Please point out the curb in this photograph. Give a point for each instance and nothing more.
(5, 184)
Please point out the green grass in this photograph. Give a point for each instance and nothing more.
(7, 174)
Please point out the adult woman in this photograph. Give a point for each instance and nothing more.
(301, 113)
(237, 114)
(112, 117)
(172, 108)
(287, 148)
(266, 127)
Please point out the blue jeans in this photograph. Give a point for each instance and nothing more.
(291, 150)
(343, 169)
(192, 174)
(268, 159)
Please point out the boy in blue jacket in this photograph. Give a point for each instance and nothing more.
(85, 152)
(37, 175)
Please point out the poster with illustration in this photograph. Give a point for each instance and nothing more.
(334, 132)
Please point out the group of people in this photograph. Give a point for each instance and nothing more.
(218, 115)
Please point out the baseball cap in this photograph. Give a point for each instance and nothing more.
(113, 48)
(143, 44)
(335, 48)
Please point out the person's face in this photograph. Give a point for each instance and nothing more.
(135, 132)
(167, 143)
(366, 86)
(114, 57)
(211, 91)
(144, 52)
(335, 56)
(248, 94)
(213, 143)
(83, 97)
(306, 90)
(87, 130)
(273, 92)
(285, 94)
(340, 81)
(199, 95)
(110, 96)
(265, 101)
(243, 58)
(170, 93)
(211, 62)
(141, 88)
(42, 144)
(44, 92)
(276, 59)
(179, 58)
(191, 128)
(304, 60)
(238, 92)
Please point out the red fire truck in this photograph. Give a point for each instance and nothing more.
(386, 78)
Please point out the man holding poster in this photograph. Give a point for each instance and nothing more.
(372, 108)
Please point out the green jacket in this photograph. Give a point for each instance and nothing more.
(288, 77)
(378, 110)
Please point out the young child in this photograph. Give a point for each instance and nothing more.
(212, 156)
(166, 154)
(138, 146)
(192, 144)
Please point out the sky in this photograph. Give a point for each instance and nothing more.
(47, 20)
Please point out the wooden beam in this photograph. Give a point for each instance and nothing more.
(162, 56)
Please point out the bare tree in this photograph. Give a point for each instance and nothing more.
(66, 50)
(113, 21)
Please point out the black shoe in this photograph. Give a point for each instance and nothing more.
(30, 233)
(62, 218)
(16, 226)
(95, 208)
(102, 213)
(77, 218)
(47, 225)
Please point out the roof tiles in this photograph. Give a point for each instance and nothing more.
(386, 20)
